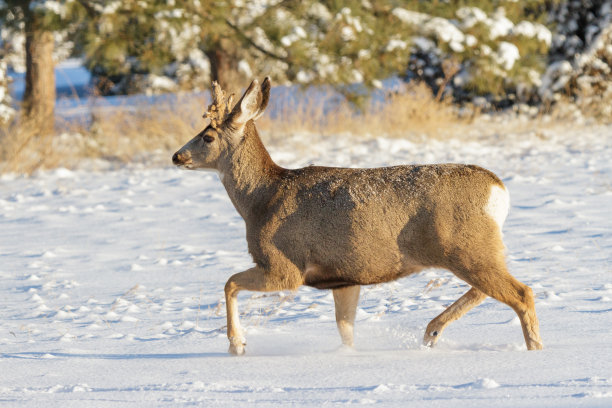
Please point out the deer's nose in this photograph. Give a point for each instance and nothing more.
(182, 158)
(176, 158)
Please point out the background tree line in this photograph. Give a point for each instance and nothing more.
(500, 51)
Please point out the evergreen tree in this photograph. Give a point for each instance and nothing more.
(580, 68)
(40, 22)
(335, 42)
(497, 46)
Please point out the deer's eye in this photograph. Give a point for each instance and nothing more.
(208, 139)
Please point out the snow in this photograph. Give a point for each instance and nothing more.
(112, 290)
(499, 26)
(507, 55)
(304, 77)
(424, 44)
(557, 76)
(410, 17)
(110, 8)
(529, 29)
(245, 69)
(49, 5)
(470, 16)
(347, 34)
(159, 83)
(394, 44)
(6, 110)
(470, 40)
(6, 113)
(444, 30)
(319, 11)
(296, 34)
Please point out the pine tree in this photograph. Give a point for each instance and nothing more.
(39, 21)
(309, 42)
(499, 47)
(580, 68)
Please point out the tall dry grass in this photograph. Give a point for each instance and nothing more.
(119, 134)
(128, 133)
(408, 112)
(23, 148)
(122, 134)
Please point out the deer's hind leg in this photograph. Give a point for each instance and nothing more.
(345, 300)
(463, 305)
(493, 279)
(519, 297)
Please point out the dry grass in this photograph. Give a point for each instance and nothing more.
(23, 149)
(122, 134)
(412, 111)
(128, 133)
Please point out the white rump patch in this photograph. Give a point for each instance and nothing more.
(498, 204)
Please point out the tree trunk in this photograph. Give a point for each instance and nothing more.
(224, 69)
(6, 110)
(39, 96)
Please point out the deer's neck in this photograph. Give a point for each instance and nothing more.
(250, 176)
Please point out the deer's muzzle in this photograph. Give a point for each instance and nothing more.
(181, 159)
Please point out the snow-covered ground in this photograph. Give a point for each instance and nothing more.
(111, 291)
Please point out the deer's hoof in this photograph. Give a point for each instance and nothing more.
(534, 345)
(237, 349)
(430, 338)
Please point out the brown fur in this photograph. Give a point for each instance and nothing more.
(338, 228)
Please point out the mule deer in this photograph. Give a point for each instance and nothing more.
(339, 228)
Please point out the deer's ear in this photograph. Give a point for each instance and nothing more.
(252, 104)
(265, 97)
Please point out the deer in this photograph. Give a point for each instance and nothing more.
(342, 228)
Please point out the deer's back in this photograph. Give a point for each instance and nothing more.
(372, 225)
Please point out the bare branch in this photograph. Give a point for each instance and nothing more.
(253, 43)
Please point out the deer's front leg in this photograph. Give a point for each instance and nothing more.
(346, 300)
(254, 279)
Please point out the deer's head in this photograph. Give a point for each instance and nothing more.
(226, 129)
